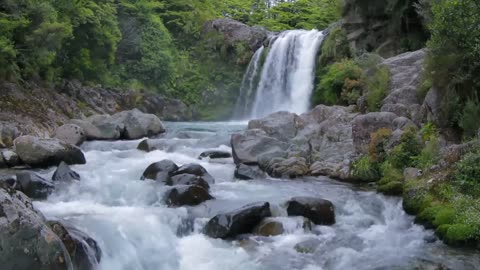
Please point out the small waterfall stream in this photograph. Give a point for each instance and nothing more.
(286, 77)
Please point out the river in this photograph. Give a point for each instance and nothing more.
(136, 231)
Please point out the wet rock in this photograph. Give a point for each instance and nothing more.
(26, 242)
(71, 134)
(83, 250)
(34, 186)
(237, 222)
(186, 180)
(8, 133)
(248, 146)
(138, 124)
(101, 130)
(269, 227)
(160, 171)
(214, 154)
(196, 169)
(3, 163)
(319, 211)
(38, 152)
(8, 182)
(10, 158)
(247, 172)
(307, 246)
(280, 125)
(289, 168)
(187, 195)
(65, 174)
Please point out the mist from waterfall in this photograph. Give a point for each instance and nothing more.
(285, 78)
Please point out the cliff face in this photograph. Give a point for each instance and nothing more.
(387, 27)
(39, 110)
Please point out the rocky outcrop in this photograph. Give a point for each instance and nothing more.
(364, 125)
(248, 172)
(37, 152)
(235, 32)
(319, 211)
(26, 242)
(280, 125)
(240, 221)
(387, 27)
(39, 110)
(10, 158)
(403, 99)
(253, 143)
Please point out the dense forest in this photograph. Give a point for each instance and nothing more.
(147, 44)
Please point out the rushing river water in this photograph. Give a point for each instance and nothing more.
(136, 231)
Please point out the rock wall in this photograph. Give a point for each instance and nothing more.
(388, 27)
(35, 109)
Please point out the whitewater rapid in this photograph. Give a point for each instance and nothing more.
(137, 231)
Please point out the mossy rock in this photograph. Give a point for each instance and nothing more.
(436, 216)
(394, 188)
(460, 235)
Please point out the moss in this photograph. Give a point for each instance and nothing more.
(393, 188)
(457, 234)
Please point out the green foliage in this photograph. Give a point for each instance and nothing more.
(467, 173)
(364, 169)
(430, 154)
(378, 143)
(391, 182)
(469, 118)
(377, 85)
(335, 47)
(340, 81)
(403, 155)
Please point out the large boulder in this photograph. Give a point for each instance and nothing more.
(160, 171)
(319, 211)
(8, 133)
(38, 152)
(288, 168)
(83, 250)
(364, 125)
(197, 170)
(106, 128)
(71, 134)
(248, 146)
(187, 180)
(34, 186)
(138, 124)
(98, 131)
(240, 221)
(64, 174)
(248, 172)
(10, 158)
(280, 125)
(187, 196)
(26, 242)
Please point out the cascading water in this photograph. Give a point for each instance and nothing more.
(243, 106)
(286, 77)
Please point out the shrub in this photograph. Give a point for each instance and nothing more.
(403, 155)
(467, 173)
(429, 131)
(430, 154)
(335, 47)
(378, 142)
(392, 180)
(364, 169)
(337, 80)
(377, 86)
(469, 118)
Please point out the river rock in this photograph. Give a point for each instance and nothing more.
(160, 171)
(187, 179)
(26, 242)
(288, 168)
(83, 250)
(269, 227)
(319, 211)
(248, 172)
(101, 130)
(65, 174)
(280, 125)
(71, 134)
(38, 152)
(8, 133)
(137, 124)
(237, 222)
(34, 186)
(248, 146)
(195, 169)
(214, 154)
(187, 195)
(307, 246)
(10, 158)
(3, 163)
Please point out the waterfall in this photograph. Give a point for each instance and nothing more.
(243, 106)
(287, 76)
